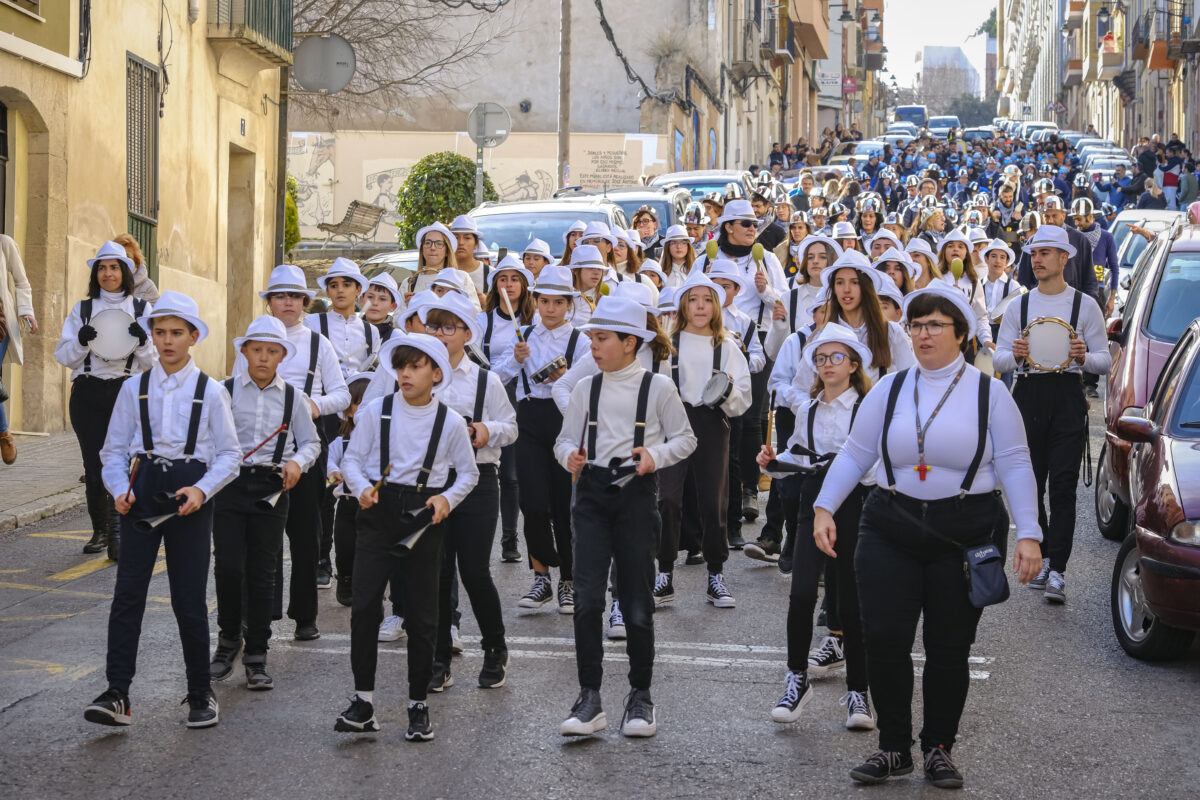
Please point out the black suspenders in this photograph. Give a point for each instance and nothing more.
(639, 421)
(314, 351)
(716, 362)
(324, 325)
(385, 449)
(189, 448)
(487, 334)
(367, 335)
(524, 377)
(572, 342)
(480, 395)
(144, 409)
(289, 398)
(792, 303)
(1076, 302)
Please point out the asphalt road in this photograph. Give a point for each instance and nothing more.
(1056, 707)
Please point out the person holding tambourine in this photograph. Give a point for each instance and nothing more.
(1050, 337)
(99, 365)
(941, 438)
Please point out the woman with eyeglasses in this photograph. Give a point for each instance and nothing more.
(435, 252)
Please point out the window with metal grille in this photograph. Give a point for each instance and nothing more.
(141, 154)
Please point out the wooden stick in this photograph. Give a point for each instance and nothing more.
(379, 484)
(508, 307)
(137, 462)
(770, 420)
(259, 446)
(587, 416)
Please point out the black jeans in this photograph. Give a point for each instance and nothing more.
(470, 531)
(619, 527)
(1056, 426)
(247, 541)
(707, 466)
(91, 407)
(733, 477)
(304, 542)
(187, 541)
(376, 556)
(808, 564)
(754, 421)
(778, 516)
(329, 427)
(903, 573)
(545, 486)
(345, 534)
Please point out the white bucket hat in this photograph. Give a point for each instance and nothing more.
(652, 267)
(977, 235)
(578, 226)
(344, 268)
(890, 290)
(555, 280)
(175, 304)
(1051, 236)
(454, 279)
(814, 238)
(111, 249)
(843, 230)
(460, 307)
(597, 230)
(437, 227)
(639, 293)
(697, 280)
(835, 332)
(620, 316)
(287, 278)
(727, 270)
(513, 264)
(919, 245)
(415, 303)
(900, 257)
(464, 224)
(676, 233)
(666, 301)
(384, 280)
(587, 256)
(266, 329)
(999, 246)
(883, 233)
(949, 292)
(538, 248)
(853, 259)
(429, 345)
(954, 236)
(736, 210)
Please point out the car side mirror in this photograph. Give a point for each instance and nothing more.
(1115, 325)
(1136, 429)
(1127, 282)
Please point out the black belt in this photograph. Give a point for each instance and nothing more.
(1048, 376)
(917, 505)
(259, 469)
(405, 489)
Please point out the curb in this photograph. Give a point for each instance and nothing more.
(41, 508)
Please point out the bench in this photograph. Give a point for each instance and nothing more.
(360, 222)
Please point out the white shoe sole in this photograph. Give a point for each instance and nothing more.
(577, 727)
(662, 601)
(822, 672)
(758, 554)
(418, 737)
(617, 633)
(783, 715)
(1055, 598)
(102, 716)
(567, 611)
(207, 723)
(859, 722)
(639, 729)
(503, 680)
(723, 602)
(344, 725)
(392, 637)
(526, 602)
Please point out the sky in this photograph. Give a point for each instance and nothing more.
(909, 25)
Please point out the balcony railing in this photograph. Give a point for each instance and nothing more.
(261, 26)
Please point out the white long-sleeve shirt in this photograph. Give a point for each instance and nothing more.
(802, 297)
(584, 366)
(976, 297)
(695, 359)
(71, 354)
(170, 406)
(408, 440)
(749, 301)
(544, 346)
(668, 434)
(747, 334)
(831, 427)
(1090, 327)
(329, 391)
(950, 445)
(349, 340)
(787, 364)
(498, 417)
(333, 464)
(504, 333)
(258, 412)
(676, 277)
(898, 344)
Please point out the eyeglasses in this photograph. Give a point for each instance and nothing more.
(745, 223)
(932, 328)
(830, 358)
(434, 244)
(445, 330)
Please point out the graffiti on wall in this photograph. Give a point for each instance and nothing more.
(310, 162)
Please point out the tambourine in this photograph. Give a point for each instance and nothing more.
(113, 340)
(1049, 344)
(543, 374)
(997, 312)
(716, 390)
(983, 361)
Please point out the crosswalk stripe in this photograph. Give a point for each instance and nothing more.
(82, 569)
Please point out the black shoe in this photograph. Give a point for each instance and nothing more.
(717, 594)
(345, 591)
(638, 721)
(223, 658)
(110, 708)
(736, 542)
(750, 505)
(203, 711)
(419, 727)
(97, 543)
(587, 715)
(540, 593)
(664, 588)
(509, 553)
(883, 764)
(113, 530)
(1094, 394)
(940, 770)
(495, 668)
(324, 574)
(763, 549)
(694, 559)
(442, 679)
(97, 508)
(358, 718)
(306, 632)
(786, 554)
(257, 679)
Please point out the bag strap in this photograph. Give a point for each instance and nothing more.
(985, 388)
(435, 436)
(893, 394)
(571, 343)
(480, 394)
(643, 405)
(385, 433)
(594, 413)
(314, 351)
(189, 449)
(144, 410)
(139, 308)
(792, 304)
(289, 399)
(675, 358)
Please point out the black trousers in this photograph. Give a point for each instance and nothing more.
(304, 542)
(345, 534)
(707, 466)
(376, 556)
(777, 514)
(328, 426)
(469, 533)
(903, 573)
(187, 541)
(90, 408)
(807, 566)
(733, 477)
(545, 486)
(247, 541)
(615, 527)
(754, 422)
(1056, 425)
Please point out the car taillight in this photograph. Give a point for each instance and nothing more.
(1187, 532)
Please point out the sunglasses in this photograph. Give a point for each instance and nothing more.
(745, 223)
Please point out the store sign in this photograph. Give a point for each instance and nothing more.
(849, 85)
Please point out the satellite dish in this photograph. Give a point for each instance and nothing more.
(323, 63)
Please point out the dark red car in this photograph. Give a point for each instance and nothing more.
(1156, 580)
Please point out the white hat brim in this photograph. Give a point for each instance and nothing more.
(146, 320)
(286, 344)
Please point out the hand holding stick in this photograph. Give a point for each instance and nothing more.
(508, 307)
(124, 502)
(581, 453)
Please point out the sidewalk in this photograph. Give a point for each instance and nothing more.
(43, 482)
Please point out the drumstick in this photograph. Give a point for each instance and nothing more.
(756, 253)
(137, 462)
(379, 483)
(770, 418)
(508, 307)
(259, 446)
(587, 416)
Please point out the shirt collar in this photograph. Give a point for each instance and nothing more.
(845, 400)
(161, 378)
(244, 380)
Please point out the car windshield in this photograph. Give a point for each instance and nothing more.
(702, 186)
(1176, 298)
(1185, 421)
(943, 122)
(516, 230)
(1136, 246)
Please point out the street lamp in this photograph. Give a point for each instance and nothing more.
(846, 15)
(1102, 16)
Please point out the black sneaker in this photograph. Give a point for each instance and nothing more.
(664, 588)
(324, 574)
(736, 542)
(883, 764)
(345, 590)
(763, 549)
(717, 594)
(940, 770)
(797, 692)
(787, 553)
(203, 711)
(587, 715)
(566, 597)
(110, 708)
(828, 658)
(223, 658)
(442, 679)
(495, 668)
(638, 721)
(858, 711)
(749, 505)
(257, 679)
(509, 553)
(694, 559)
(97, 543)
(419, 727)
(539, 594)
(358, 718)
(306, 632)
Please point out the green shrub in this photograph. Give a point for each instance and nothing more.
(291, 216)
(440, 187)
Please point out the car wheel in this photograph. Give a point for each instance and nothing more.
(1112, 515)
(1140, 633)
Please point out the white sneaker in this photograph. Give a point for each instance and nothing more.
(858, 711)
(456, 645)
(1056, 588)
(616, 622)
(392, 629)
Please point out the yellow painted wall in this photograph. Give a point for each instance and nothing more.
(54, 30)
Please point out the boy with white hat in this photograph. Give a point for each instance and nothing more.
(353, 338)
(177, 427)
(635, 424)
(1052, 403)
(272, 423)
(380, 301)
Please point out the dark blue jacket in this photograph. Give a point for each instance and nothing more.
(1104, 254)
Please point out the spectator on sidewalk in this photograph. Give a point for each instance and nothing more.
(1114, 186)
(1169, 171)
(1189, 185)
(13, 310)
(1153, 196)
(776, 158)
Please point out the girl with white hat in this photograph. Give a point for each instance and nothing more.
(588, 272)
(846, 236)
(678, 256)
(544, 352)
(882, 241)
(958, 269)
(919, 252)
(899, 269)
(435, 252)
(455, 280)
(571, 238)
(471, 255)
(703, 350)
(627, 254)
(96, 381)
(799, 229)
(828, 416)
(536, 255)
